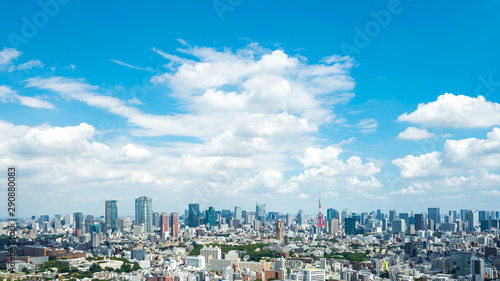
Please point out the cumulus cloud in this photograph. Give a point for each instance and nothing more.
(412, 133)
(457, 111)
(418, 166)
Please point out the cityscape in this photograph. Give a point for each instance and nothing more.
(238, 140)
(237, 244)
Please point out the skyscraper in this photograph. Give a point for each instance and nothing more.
(473, 221)
(280, 230)
(194, 214)
(78, 218)
(111, 214)
(392, 215)
(164, 223)
(237, 213)
(350, 226)
(477, 269)
(433, 214)
(300, 218)
(260, 212)
(144, 213)
(174, 225)
(57, 222)
(419, 222)
(210, 216)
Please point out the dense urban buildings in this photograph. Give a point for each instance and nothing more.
(260, 245)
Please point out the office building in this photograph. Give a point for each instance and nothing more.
(193, 214)
(473, 221)
(79, 226)
(398, 226)
(433, 214)
(57, 223)
(210, 216)
(111, 214)
(350, 226)
(237, 213)
(477, 269)
(260, 212)
(144, 213)
(300, 218)
(419, 222)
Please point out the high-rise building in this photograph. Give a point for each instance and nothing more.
(419, 222)
(433, 214)
(398, 226)
(477, 269)
(164, 223)
(57, 222)
(464, 214)
(78, 219)
(405, 216)
(332, 214)
(237, 213)
(288, 219)
(453, 215)
(260, 212)
(379, 216)
(350, 226)
(193, 215)
(333, 226)
(68, 220)
(144, 213)
(210, 216)
(174, 225)
(300, 218)
(473, 221)
(156, 219)
(211, 253)
(111, 214)
(88, 221)
(280, 230)
(392, 215)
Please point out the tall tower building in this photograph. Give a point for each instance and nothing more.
(210, 216)
(473, 221)
(164, 223)
(260, 212)
(78, 219)
(434, 215)
(174, 225)
(280, 230)
(350, 226)
(144, 213)
(111, 214)
(392, 215)
(419, 222)
(57, 222)
(194, 214)
(477, 269)
(320, 216)
(300, 218)
(237, 213)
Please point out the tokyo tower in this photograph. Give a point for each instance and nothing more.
(320, 216)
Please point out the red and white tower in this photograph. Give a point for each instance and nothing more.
(320, 216)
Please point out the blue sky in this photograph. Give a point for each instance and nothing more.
(231, 102)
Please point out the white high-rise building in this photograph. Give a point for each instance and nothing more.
(477, 269)
(473, 221)
(314, 274)
(211, 253)
(399, 226)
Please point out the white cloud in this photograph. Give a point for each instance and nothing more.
(412, 133)
(30, 64)
(456, 111)
(9, 95)
(491, 192)
(418, 166)
(368, 125)
(7, 55)
(409, 190)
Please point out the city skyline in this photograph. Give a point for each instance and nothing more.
(369, 105)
